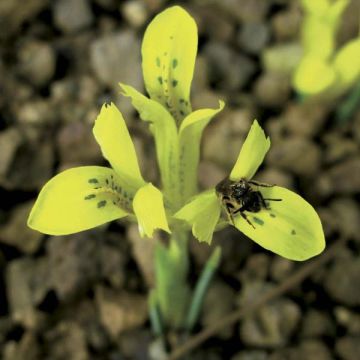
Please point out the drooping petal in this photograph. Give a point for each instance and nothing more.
(252, 153)
(189, 146)
(112, 135)
(202, 213)
(164, 129)
(149, 209)
(313, 76)
(79, 199)
(347, 64)
(291, 228)
(169, 50)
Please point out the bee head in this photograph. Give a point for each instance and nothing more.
(240, 188)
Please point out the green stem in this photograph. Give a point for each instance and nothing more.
(348, 106)
(155, 316)
(201, 288)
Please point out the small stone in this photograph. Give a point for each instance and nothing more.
(281, 268)
(36, 112)
(26, 349)
(342, 279)
(10, 140)
(72, 15)
(120, 311)
(306, 119)
(251, 355)
(272, 89)
(66, 341)
(135, 12)
(282, 58)
(256, 268)
(275, 176)
(348, 347)
(230, 70)
(109, 63)
(143, 253)
(339, 148)
(218, 302)
(272, 325)
(37, 62)
(317, 323)
(311, 349)
(134, 344)
(253, 37)
(16, 232)
(286, 24)
(74, 258)
(348, 319)
(288, 154)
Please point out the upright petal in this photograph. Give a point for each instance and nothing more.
(165, 133)
(79, 199)
(169, 50)
(252, 153)
(112, 135)
(291, 228)
(202, 213)
(189, 146)
(149, 209)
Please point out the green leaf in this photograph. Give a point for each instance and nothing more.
(169, 50)
(79, 199)
(202, 213)
(172, 290)
(291, 228)
(252, 153)
(189, 147)
(347, 65)
(165, 133)
(313, 76)
(149, 209)
(317, 38)
(112, 135)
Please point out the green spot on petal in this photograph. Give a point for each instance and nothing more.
(88, 197)
(174, 83)
(93, 181)
(101, 204)
(174, 63)
(160, 79)
(258, 221)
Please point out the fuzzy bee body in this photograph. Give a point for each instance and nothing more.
(240, 196)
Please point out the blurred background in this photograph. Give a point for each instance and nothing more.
(83, 296)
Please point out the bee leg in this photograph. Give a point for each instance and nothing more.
(229, 213)
(253, 182)
(243, 215)
(273, 199)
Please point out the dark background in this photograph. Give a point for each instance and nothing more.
(83, 296)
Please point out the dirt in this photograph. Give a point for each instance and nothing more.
(83, 296)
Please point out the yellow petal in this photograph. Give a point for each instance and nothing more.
(166, 139)
(317, 7)
(149, 209)
(79, 199)
(202, 213)
(313, 76)
(291, 228)
(190, 137)
(112, 135)
(169, 50)
(252, 153)
(347, 64)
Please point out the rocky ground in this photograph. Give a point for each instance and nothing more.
(83, 296)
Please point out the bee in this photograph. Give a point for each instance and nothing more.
(241, 196)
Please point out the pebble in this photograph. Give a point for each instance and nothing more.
(218, 302)
(288, 154)
(341, 281)
(120, 311)
(72, 15)
(348, 319)
(229, 69)
(304, 119)
(253, 37)
(251, 355)
(317, 323)
(26, 348)
(348, 347)
(36, 112)
(37, 62)
(275, 176)
(16, 232)
(272, 89)
(282, 58)
(286, 24)
(135, 12)
(111, 65)
(281, 268)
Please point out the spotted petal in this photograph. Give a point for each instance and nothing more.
(112, 135)
(149, 210)
(79, 199)
(202, 213)
(291, 228)
(169, 50)
(252, 153)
